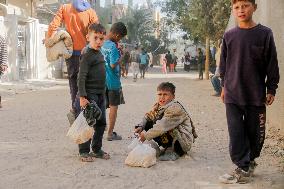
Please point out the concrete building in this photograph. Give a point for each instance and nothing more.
(271, 14)
(24, 35)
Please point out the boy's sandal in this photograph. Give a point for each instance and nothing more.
(100, 154)
(86, 157)
(114, 136)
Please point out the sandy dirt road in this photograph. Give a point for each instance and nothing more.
(35, 153)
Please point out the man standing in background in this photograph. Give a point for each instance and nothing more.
(76, 17)
(169, 60)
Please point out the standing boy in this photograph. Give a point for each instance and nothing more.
(112, 57)
(250, 75)
(91, 89)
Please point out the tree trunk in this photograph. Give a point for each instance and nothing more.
(207, 58)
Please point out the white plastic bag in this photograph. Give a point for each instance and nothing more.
(142, 155)
(134, 143)
(80, 131)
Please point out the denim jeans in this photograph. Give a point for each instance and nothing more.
(96, 142)
(216, 84)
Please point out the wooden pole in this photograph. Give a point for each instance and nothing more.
(207, 58)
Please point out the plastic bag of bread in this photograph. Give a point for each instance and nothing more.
(142, 155)
(80, 132)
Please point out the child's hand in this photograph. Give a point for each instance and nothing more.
(142, 137)
(223, 95)
(83, 102)
(138, 130)
(269, 99)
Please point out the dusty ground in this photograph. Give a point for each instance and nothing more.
(35, 153)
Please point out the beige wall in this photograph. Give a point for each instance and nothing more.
(271, 13)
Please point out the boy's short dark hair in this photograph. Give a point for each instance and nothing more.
(167, 86)
(97, 28)
(119, 28)
(235, 1)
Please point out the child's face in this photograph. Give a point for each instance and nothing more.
(96, 40)
(243, 11)
(116, 37)
(164, 97)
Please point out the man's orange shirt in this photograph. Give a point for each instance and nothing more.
(76, 24)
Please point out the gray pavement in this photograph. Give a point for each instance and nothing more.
(35, 153)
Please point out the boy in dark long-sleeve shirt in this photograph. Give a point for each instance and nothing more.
(250, 75)
(91, 89)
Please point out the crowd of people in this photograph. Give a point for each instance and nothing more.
(138, 60)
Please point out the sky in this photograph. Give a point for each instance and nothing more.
(125, 2)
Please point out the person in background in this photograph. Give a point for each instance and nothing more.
(169, 60)
(215, 79)
(163, 63)
(125, 62)
(76, 16)
(135, 61)
(175, 59)
(144, 61)
(200, 63)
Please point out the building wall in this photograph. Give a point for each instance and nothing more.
(24, 6)
(271, 14)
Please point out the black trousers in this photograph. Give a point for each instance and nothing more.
(142, 68)
(246, 126)
(72, 71)
(200, 71)
(96, 142)
(166, 140)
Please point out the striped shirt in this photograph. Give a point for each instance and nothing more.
(3, 52)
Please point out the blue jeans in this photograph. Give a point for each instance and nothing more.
(96, 142)
(216, 84)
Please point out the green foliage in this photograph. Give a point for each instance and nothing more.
(104, 16)
(140, 24)
(199, 18)
(141, 28)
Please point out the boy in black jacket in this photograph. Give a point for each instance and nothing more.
(91, 89)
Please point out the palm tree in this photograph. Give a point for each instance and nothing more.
(139, 23)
